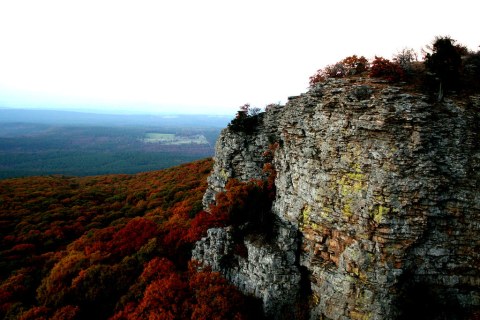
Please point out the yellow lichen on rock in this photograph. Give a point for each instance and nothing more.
(351, 186)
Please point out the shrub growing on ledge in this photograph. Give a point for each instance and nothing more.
(355, 65)
(246, 119)
(319, 77)
(349, 66)
(406, 59)
(447, 67)
(246, 203)
(384, 68)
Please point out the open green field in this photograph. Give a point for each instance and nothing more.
(154, 137)
(174, 139)
(33, 149)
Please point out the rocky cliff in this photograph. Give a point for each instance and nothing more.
(377, 210)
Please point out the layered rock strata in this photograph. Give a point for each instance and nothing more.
(377, 212)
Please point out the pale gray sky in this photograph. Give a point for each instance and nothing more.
(208, 56)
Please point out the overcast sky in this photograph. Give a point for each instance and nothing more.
(203, 56)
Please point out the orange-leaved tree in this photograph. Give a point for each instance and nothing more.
(386, 69)
(351, 65)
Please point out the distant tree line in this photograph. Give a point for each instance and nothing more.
(85, 150)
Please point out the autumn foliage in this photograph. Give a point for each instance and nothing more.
(194, 294)
(352, 65)
(115, 246)
(447, 67)
(384, 68)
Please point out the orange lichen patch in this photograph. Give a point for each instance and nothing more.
(331, 245)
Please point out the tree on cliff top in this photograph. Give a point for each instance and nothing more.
(444, 63)
(246, 119)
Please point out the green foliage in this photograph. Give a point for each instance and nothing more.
(86, 150)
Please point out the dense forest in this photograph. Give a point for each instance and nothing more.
(30, 149)
(115, 246)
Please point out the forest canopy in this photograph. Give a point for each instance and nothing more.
(112, 246)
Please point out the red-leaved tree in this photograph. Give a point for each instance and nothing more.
(386, 69)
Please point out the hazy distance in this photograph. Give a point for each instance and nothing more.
(200, 57)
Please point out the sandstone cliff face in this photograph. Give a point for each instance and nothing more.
(377, 207)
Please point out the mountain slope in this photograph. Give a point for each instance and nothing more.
(109, 246)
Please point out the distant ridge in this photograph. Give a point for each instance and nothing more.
(60, 117)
